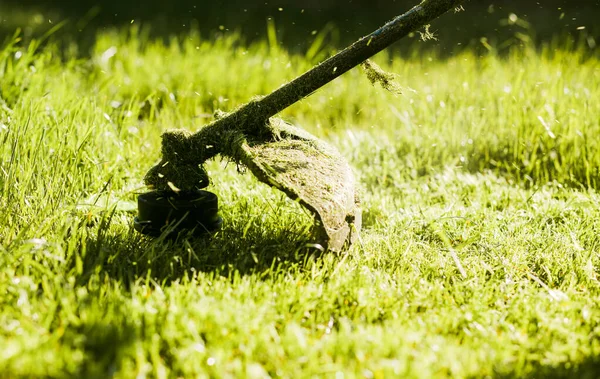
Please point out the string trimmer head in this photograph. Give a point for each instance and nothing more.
(278, 154)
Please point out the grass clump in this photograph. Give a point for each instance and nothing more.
(386, 80)
(479, 254)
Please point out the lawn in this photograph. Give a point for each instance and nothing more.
(479, 250)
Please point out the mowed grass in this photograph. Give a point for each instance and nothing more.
(479, 254)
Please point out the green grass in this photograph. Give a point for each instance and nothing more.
(479, 254)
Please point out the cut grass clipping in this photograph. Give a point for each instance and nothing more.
(479, 254)
(387, 80)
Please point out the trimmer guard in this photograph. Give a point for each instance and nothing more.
(314, 173)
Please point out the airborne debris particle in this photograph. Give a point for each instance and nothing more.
(427, 34)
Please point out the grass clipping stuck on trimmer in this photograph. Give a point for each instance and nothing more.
(281, 155)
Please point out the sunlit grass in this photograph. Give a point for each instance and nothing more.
(479, 254)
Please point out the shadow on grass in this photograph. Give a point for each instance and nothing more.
(260, 249)
(104, 345)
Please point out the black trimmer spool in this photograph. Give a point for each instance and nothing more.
(172, 212)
